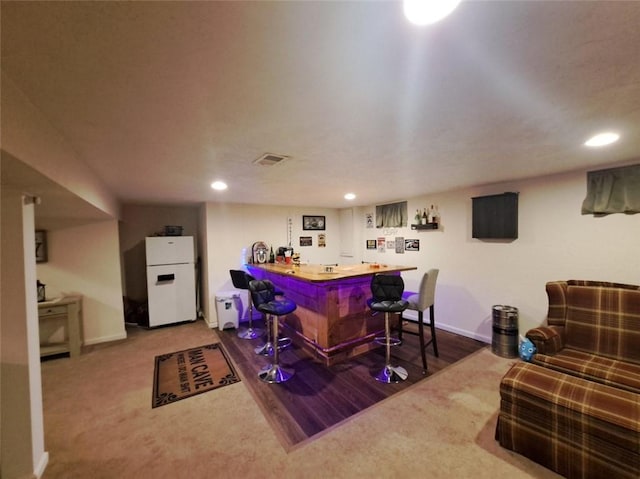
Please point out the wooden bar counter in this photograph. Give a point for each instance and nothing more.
(332, 320)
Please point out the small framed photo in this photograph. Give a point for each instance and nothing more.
(371, 244)
(412, 245)
(369, 220)
(313, 222)
(306, 241)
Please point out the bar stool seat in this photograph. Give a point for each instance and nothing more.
(387, 298)
(240, 280)
(264, 299)
(267, 348)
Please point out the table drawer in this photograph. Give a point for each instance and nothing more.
(52, 311)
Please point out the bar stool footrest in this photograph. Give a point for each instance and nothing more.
(391, 374)
(267, 348)
(382, 341)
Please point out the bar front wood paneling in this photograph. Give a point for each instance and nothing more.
(332, 321)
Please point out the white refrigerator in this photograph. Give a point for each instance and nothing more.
(171, 279)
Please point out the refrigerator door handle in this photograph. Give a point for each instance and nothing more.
(166, 277)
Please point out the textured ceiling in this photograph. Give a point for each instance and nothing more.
(161, 98)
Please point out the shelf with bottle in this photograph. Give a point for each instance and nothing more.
(427, 220)
(427, 226)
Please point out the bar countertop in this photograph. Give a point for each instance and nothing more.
(316, 272)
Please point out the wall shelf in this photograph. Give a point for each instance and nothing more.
(428, 226)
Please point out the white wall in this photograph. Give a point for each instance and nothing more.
(555, 242)
(232, 228)
(85, 260)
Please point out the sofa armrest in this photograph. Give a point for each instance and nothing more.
(547, 339)
(557, 295)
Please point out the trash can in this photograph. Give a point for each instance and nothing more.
(227, 310)
(505, 331)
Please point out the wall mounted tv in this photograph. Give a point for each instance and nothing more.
(495, 216)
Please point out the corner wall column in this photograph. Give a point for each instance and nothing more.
(22, 451)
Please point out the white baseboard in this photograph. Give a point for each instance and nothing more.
(452, 329)
(214, 324)
(105, 339)
(42, 465)
(463, 332)
(210, 324)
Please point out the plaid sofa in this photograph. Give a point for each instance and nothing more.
(576, 407)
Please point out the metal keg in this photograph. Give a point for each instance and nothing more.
(505, 331)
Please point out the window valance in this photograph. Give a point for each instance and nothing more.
(614, 190)
(393, 215)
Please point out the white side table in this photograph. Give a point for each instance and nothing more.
(67, 309)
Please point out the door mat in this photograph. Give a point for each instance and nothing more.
(189, 372)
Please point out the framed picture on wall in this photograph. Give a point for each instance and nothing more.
(313, 222)
(369, 220)
(41, 246)
(412, 245)
(371, 244)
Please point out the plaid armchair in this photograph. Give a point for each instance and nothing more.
(593, 332)
(576, 408)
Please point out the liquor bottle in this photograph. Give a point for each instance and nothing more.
(432, 214)
(272, 258)
(424, 216)
(418, 217)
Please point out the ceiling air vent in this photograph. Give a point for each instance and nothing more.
(269, 159)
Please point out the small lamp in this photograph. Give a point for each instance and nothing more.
(41, 293)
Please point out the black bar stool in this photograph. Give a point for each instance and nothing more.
(264, 298)
(240, 280)
(387, 298)
(266, 349)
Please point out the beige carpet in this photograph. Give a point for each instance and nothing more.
(99, 424)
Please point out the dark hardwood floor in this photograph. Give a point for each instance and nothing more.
(318, 397)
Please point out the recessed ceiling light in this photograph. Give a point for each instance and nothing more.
(219, 185)
(350, 196)
(425, 12)
(602, 139)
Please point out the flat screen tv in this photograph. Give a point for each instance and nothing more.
(495, 216)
